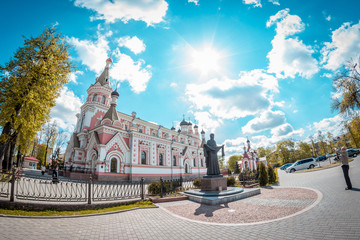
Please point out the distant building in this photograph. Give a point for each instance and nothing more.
(114, 146)
(30, 162)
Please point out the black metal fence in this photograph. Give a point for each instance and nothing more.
(38, 188)
(171, 186)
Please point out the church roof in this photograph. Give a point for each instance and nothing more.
(112, 113)
(103, 79)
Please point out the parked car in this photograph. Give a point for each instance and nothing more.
(283, 167)
(301, 164)
(321, 158)
(353, 152)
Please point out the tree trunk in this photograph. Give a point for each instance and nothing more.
(4, 141)
(11, 155)
(18, 157)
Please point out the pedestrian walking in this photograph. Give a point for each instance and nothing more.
(344, 159)
(42, 170)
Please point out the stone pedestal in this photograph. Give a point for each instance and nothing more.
(213, 183)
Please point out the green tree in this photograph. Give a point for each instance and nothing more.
(263, 176)
(232, 162)
(283, 150)
(41, 155)
(271, 174)
(30, 83)
(347, 83)
(330, 141)
(303, 151)
(322, 143)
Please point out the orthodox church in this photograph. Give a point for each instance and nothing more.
(114, 146)
(250, 160)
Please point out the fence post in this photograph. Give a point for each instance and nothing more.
(12, 190)
(142, 188)
(181, 181)
(89, 189)
(161, 187)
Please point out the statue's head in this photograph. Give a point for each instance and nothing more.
(212, 136)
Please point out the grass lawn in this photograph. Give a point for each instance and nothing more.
(76, 212)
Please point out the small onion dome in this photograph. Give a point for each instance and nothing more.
(196, 126)
(202, 131)
(115, 93)
(248, 141)
(179, 130)
(183, 122)
(109, 60)
(173, 128)
(189, 123)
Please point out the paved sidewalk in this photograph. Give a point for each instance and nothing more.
(337, 216)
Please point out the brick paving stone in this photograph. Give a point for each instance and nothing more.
(337, 216)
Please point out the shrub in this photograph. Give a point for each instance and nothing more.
(272, 175)
(154, 187)
(263, 176)
(197, 183)
(231, 181)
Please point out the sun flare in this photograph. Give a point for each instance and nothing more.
(206, 60)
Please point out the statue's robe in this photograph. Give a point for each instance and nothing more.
(210, 153)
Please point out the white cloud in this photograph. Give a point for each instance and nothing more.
(228, 99)
(135, 72)
(207, 122)
(94, 55)
(332, 125)
(328, 18)
(290, 56)
(345, 45)
(173, 85)
(67, 106)
(91, 54)
(73, 76)
(134, 44)
(275, 2)
(286, 24)
(255, 3)
(267, 120)
(150, 12)
(196, 2)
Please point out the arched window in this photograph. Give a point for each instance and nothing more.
(161, 160)
(103, 100)
(143, 157)
(113, 167)
(174, 161)
(140, 131)
(202, 163)
(95, 98)
(194, 162)
(186, 168)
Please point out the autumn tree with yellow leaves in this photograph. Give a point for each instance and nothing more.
(29, 84)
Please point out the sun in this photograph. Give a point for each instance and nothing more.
(206, 60)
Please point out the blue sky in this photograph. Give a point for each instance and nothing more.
(239, 68)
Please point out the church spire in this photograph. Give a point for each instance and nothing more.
(104, 78)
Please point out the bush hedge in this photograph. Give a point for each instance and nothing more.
(154, 187)
(197, 183)
(230, 181)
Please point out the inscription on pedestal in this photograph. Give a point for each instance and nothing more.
(213, 184)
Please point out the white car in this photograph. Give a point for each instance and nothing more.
(301, 164)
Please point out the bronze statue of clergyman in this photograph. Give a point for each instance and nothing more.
(211, 158)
